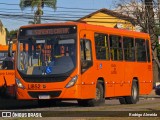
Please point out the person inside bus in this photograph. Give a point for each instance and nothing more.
(8, 63)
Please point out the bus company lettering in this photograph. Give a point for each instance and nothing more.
(7, 73)
(113, 70)
(2, 73)
(10, 73)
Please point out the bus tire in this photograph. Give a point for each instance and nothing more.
(133, 99)
(99, 100)
(122, 100)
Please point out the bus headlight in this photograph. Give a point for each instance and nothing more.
(72, 82)
(19, 84)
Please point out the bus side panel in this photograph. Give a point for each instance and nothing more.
(7, 77)
(149, 79)
(122, 87)
(145, 88)
(129, 75)
(2, 82)
(145, 78)
(10, 77)
(104, 70)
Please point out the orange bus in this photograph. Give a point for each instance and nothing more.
(87, 63)
(7, 72)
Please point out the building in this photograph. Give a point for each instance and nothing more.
(2, 34)
(109, 18)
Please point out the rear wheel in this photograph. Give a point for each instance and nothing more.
(98, 100)
(134, 95)
(122, 100)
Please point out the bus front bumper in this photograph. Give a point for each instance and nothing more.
(65, 93)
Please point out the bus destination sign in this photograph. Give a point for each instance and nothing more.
(38, 31)
(48, 31)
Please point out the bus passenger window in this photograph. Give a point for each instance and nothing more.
(116, 47)
(129, 49)
(101, 43)
(141, 50)
(86, 56)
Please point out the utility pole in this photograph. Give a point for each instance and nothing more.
(158, 12)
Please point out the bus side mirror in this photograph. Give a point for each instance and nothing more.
(10, 49)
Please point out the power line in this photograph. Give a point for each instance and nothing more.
(58, 15)
(56, 7)
(53, 14)
(57, 11)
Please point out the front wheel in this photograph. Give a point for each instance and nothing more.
(98, 100)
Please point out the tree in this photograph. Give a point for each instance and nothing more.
(146, 16)
(12, 33)
(152, 31)
(39, 4)
(1, 27)
(7, 32)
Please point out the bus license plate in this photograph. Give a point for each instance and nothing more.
(44, 97)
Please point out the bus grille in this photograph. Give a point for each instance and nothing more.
(50, 93)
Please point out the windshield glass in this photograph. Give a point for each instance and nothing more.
(5, 61)
(47, 55)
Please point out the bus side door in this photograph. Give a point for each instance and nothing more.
(87, 67)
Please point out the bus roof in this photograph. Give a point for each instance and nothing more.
(96, 28)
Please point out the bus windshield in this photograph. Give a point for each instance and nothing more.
(47, 55)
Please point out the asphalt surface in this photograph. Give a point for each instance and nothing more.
(12, 104)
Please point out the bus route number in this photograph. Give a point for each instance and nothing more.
(34, 86)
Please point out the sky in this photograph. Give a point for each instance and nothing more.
(66, 10)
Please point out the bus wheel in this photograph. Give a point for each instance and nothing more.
(134, 94)
(98, 100)
(122, 100)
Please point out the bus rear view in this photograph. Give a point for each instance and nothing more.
(7, 72)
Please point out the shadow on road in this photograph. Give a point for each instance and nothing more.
(12, 104)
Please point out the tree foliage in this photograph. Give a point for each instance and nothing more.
(38, 4)
(11, 34)
(147, 15)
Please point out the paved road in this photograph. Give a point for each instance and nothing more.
(65, 108)
(149, 102)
